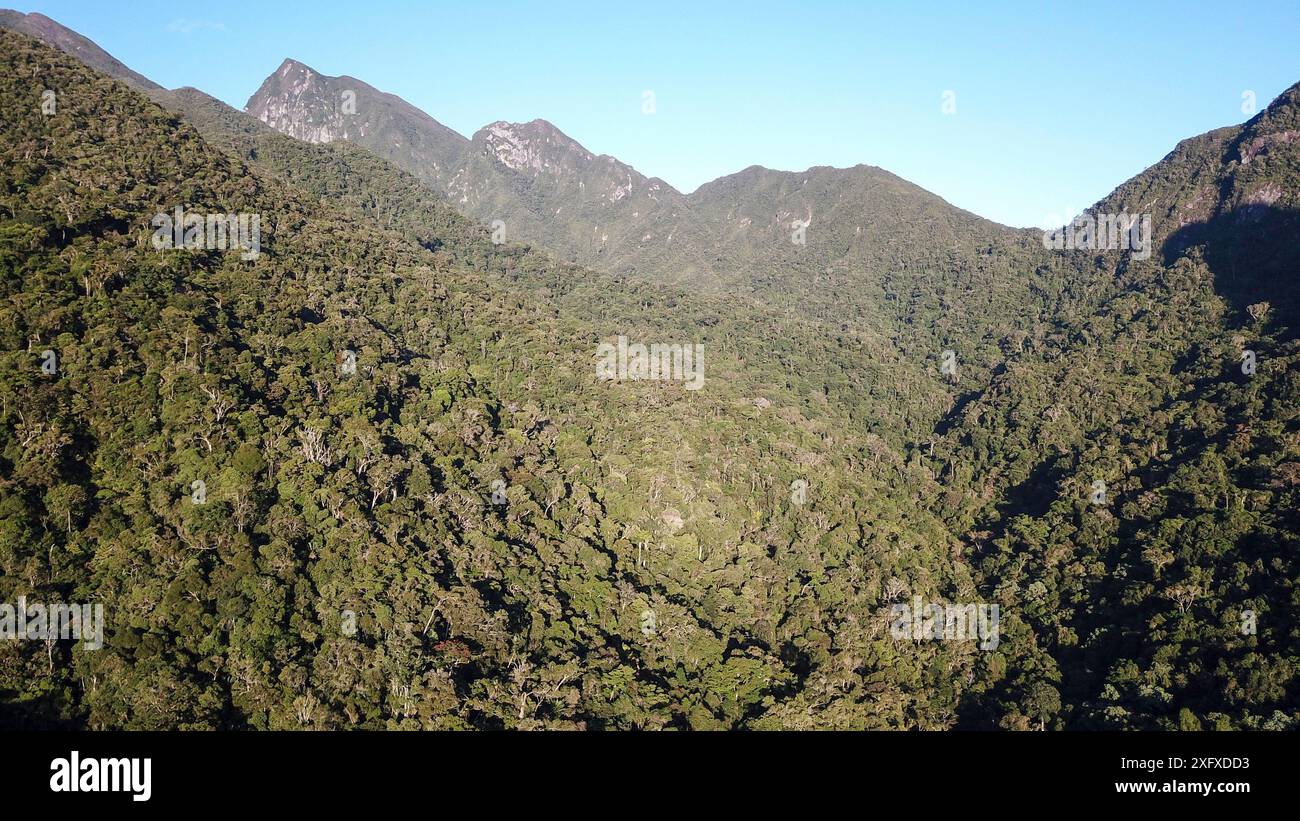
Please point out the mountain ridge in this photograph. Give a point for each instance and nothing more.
(827, 365)
(65, 39)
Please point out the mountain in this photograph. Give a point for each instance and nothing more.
(1230, 195)
(539, 184)
(465, 531)
(335, 171)
(66, 40)
(309, 106)
(548, 189)
(469, 530)
(876, 254)
(1175, 395)
(593, 210)
(1080, 367)
(879, 258)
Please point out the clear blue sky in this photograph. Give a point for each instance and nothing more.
(1056, 103)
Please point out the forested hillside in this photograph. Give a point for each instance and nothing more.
(855, 255)
(373, 493)
(470, 530)
(1173, 605)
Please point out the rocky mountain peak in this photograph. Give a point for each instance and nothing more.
(533, 147)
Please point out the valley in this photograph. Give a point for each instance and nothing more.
(872, 399)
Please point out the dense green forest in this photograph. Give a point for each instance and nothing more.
(420, 508)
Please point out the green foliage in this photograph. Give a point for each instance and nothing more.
(643, 561)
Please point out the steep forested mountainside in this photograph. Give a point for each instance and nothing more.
(649, 558)
(847, 363)
(1082, 360)
(885, 276)
(343, 174)
(43, 28)
(839, 370)
(546, 188)
(532, 181)
(309, 107)
(856, 255)
(518, 543)
(1174, 602)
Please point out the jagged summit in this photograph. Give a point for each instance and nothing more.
(290, 64)
(533, 146)
(904, 404)
(305, 104)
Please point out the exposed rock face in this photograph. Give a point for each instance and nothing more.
(788, 236)
(302, 106)
(532, 147)
(1261, 144)
(307, 105)
(542, 185)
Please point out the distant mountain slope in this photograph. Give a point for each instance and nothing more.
(343, 174)
(339, 170)
(309, 106)
(1126, 610)
(1148, 452)
(541, 185)
(548, 189)
(354, 483)
(862, 371)
(1231, 195)
(878, 257)
(43, 28)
